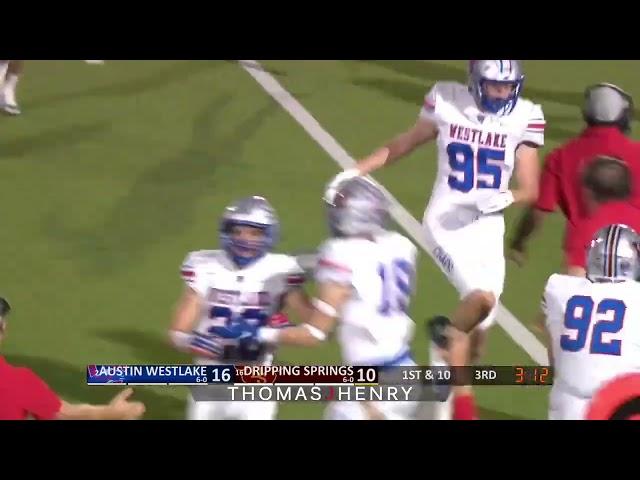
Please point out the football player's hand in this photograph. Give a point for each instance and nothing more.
(494, 202)
(332, 187)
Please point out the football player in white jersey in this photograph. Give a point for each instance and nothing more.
(244, 282)
(485, 132)
(592, 322)
(365, 275)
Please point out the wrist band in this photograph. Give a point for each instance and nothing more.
(268, 334)
(325, 308)
(315, 332)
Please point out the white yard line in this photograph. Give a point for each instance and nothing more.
(514, 328)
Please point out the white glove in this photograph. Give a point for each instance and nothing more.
(495, 202)
(332, 187)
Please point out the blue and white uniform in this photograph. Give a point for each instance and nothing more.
(373, 326)
(476, 159)
(229, 296)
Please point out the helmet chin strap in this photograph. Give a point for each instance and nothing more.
(243, 262)
(498, 106)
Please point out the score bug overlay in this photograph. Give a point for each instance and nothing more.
(314, 382)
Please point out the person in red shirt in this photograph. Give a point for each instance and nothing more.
(23, 394)
(607, 192)
(608, 113)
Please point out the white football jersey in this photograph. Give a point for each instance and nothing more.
(254, 293)
(476, 150)
(374, 326)
(594, 329)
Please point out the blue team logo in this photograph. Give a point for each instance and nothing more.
(94, 376)
(444, 259)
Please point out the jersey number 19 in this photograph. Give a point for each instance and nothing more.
(397, 280)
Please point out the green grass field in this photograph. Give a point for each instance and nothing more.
(113, 173)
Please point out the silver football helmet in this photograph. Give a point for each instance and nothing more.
(614, 255)
(358, 208)
(255, 212)
(501, 71)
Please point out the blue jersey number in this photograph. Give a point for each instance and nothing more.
(397, 282)
(233, 323)
(463, 161)
(578, 316)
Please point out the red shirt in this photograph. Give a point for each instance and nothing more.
(23, 393)
(579, 236)
(561, 182)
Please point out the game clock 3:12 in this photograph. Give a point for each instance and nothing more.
(533, 375)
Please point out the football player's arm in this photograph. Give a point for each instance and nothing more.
(298, 301)
(184, 319)
(422, 132)
(330, 299)
(527, 174)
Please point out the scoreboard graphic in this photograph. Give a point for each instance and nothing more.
(315, 375)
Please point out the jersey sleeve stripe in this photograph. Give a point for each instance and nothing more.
(536, 126)
(188, 275)
(336, 266)
(429, 105)
(295, 279)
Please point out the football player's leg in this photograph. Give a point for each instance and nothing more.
(452, 345)
(477, 272)
(4, 65)
(347, 411)
(480, 281)
(9, 102)
(202, 410)
(490, 278)
(259, 411)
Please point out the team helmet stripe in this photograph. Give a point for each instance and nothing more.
(610, 249)
(614, 253)
(607, 242)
